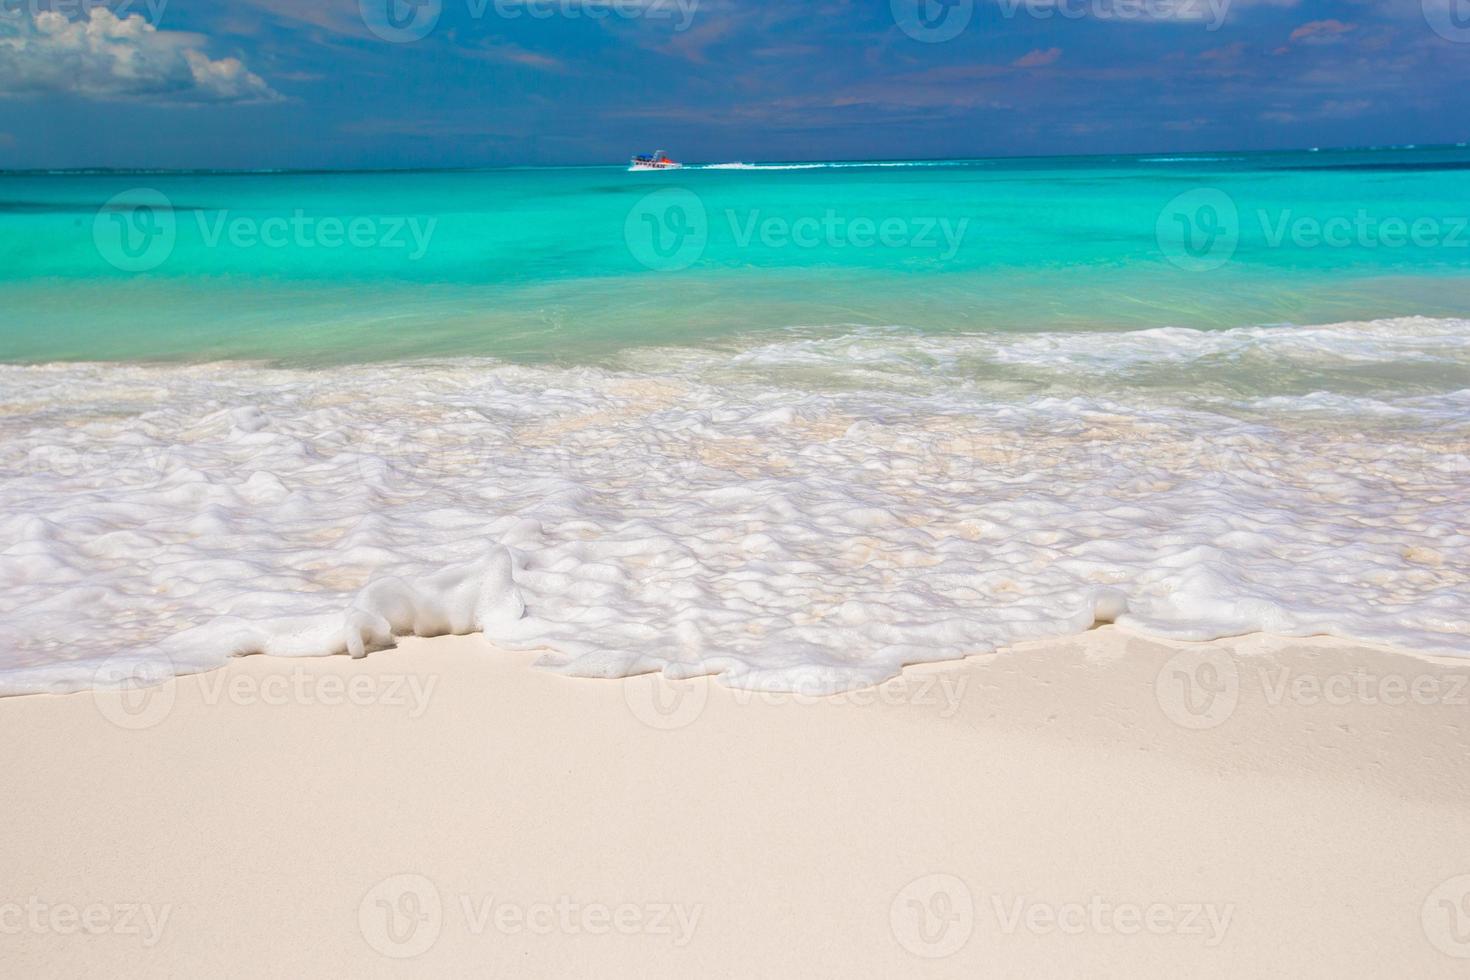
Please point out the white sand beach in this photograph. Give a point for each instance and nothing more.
(1106, 805)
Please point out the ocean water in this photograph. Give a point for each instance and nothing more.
(794, 425)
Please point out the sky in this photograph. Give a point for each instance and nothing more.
(463, 83)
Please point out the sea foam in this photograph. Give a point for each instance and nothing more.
(810, 512)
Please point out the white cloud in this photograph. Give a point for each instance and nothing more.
(1322, 31)
(1038, 58)
(109, 58)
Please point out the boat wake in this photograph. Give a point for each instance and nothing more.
(837, 165)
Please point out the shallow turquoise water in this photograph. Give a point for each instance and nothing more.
(579, 264)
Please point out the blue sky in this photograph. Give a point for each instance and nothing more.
(310, 83)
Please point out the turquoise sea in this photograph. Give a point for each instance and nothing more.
(574, 264)
(795, 425)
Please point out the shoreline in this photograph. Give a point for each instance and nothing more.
(1107, 803)
(870, 527)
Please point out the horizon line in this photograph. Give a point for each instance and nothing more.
(268, 171)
